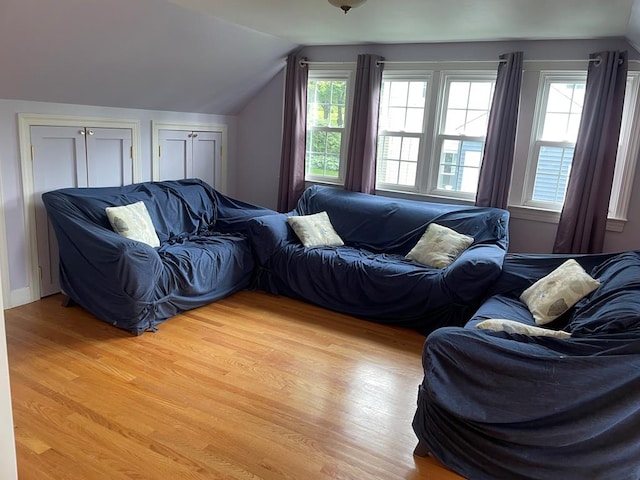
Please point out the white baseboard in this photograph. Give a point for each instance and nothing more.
(19, 297)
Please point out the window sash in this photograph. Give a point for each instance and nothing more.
(320, 164)
(464, 180)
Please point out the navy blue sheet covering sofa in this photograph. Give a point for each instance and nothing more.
(504, 405)
(204, 253)
(369, 277)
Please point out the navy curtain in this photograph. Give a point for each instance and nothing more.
(363, 136)
(583, 219)
(294, 133)
(497, 162)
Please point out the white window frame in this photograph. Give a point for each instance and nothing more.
(409, 76)
(546, 79)
(327, 72)
(628, 150)
(447, 77)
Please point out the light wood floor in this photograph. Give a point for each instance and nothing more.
(251, 387)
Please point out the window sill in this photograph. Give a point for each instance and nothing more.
(553, 216)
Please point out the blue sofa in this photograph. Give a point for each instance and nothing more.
(204, 253)
(369, 277)
(495, 404)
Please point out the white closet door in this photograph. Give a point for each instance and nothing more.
(60, 160)
(109, 161)
(206, 156)
(174, 160)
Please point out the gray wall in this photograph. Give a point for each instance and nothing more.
(260, 128)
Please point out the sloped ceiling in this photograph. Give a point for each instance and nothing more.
(211, 56)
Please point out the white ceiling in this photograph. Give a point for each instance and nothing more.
(316, 22)
(211, 56)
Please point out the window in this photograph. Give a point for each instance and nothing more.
(555, 134)
(327, 116)
(465, 107)
(400, 129)
(413, 156)
(627, 151)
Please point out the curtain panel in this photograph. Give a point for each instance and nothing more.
(583, 220)
(497, 162)
(294, 133)
(363, 135)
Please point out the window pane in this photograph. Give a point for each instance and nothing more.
(414, 120)
(477, 123)
(458, 95)
(455, 122)
(326, 103)
(402, 106)
(563, 111)
(398, 93)
(460, 165)
(552, 173)
(326, 118)
(395, 119)
(322, 157)
(417, 94)
(397, 161)
(480, 95)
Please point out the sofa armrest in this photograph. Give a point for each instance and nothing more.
(99, 268)
(473, 272)
(269, 234)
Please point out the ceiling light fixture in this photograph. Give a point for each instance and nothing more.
(346, 5)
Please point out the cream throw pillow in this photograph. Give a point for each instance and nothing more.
(556, 293)
(511, 326)
(315, 230)
(133, 222)
(439, 246)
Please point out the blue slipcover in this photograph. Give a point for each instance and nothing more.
(496, 405)
(204, 253)
(369, 276)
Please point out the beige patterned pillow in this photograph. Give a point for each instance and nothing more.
(439, 246)
(511, 326)
(133, 221)
(556, 293)
(315, 230)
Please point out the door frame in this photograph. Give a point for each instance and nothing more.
(220, 183)
(25, 122)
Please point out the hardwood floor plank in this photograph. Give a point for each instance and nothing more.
(251, 387)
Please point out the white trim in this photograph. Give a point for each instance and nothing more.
(20, 296)
(221, 183)
(4, 256)
(25, 122)
(628, 152)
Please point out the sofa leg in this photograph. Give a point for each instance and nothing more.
(67, 301)
(421, 450)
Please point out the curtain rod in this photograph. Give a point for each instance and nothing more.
(428, 62)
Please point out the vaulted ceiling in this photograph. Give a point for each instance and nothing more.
(211, 56)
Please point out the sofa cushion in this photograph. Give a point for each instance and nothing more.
(554, 294)
(133, 221)
(615, 306)
(439, 246)
(512, 326)
(315, 230)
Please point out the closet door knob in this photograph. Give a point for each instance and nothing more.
(90, 132)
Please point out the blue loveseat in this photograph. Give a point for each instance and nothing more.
(204, 253)
(369, 277)
(499, 404)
